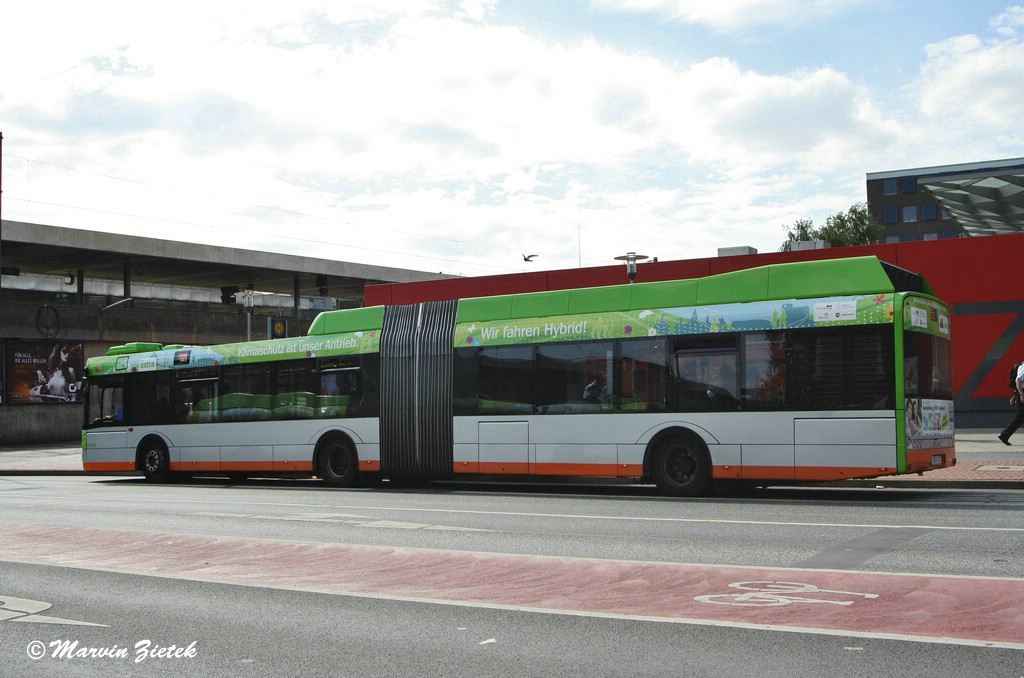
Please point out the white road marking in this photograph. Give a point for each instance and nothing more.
(690, 620)
(649, 519)
(310, 517)
(938, 640)
(24, 610)
(394, 524)
(345, 518)
(521, 514)
(775, 593)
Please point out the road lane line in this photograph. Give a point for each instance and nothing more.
(521, 514)
(981, 611)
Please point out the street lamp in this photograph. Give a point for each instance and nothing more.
(247, 301)
(126, 300)
(631, 258)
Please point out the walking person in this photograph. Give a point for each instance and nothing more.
(1017, 400)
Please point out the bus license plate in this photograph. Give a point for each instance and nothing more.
(937, 459)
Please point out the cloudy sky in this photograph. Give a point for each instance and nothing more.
(455, 136)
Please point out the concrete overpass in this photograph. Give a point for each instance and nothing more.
(89, 290)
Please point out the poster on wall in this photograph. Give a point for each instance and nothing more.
(42, 371)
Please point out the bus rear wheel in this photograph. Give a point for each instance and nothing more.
(337, 462)
(155, 462)
(681, 466)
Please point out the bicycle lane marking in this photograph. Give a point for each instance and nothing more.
(948, 609)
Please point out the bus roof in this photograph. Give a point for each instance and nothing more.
(349, 320)
(799, 280)
(796, 280)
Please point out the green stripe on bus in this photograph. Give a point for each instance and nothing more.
(800, 280)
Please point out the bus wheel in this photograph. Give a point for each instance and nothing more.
(681, 466)
(338, 464)
(156, 463)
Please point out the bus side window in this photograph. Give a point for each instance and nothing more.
(340, 393)
(575, 378)
(643, 374)
(149, 399)
(764, 380)
(106, 402)
(704, 373)
(194, 397)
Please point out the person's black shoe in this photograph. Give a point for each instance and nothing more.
(1003, 439)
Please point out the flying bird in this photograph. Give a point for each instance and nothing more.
(529, 257)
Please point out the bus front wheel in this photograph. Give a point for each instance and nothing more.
(681, 466)
(338, 463)
(156, 463)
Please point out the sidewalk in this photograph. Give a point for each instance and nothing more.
(982, 462)
(41, 459)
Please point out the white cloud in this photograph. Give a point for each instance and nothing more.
(974, 81)
(428, 136)
(729, 15)
(1009, 23)
(478, 10)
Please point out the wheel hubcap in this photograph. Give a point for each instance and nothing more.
(337, 461)
(680, 466)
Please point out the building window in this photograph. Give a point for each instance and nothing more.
(909, 184)
(892, 238)
(891, 215)
(909, 214)
(931, 236)
(949, 234)
(929, 211)
(889, 186)
(910, 237)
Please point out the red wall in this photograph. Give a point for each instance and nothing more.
(977, 276)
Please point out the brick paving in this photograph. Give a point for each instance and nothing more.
(985, 471)
(54, 464)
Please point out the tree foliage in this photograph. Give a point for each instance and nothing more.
(853, 227)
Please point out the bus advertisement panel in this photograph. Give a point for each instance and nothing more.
(752, 316)
(927, 378)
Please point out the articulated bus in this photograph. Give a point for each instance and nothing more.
(787, 373)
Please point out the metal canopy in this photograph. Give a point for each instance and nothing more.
(982, 203)
(54, 250)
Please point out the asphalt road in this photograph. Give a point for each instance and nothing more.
(274, 578)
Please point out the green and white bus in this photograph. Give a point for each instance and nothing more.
(813, 371)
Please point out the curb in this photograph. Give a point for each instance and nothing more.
(50, 472)
(933, 484)
(874, 484)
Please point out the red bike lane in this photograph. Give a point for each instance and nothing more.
(932, 608)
